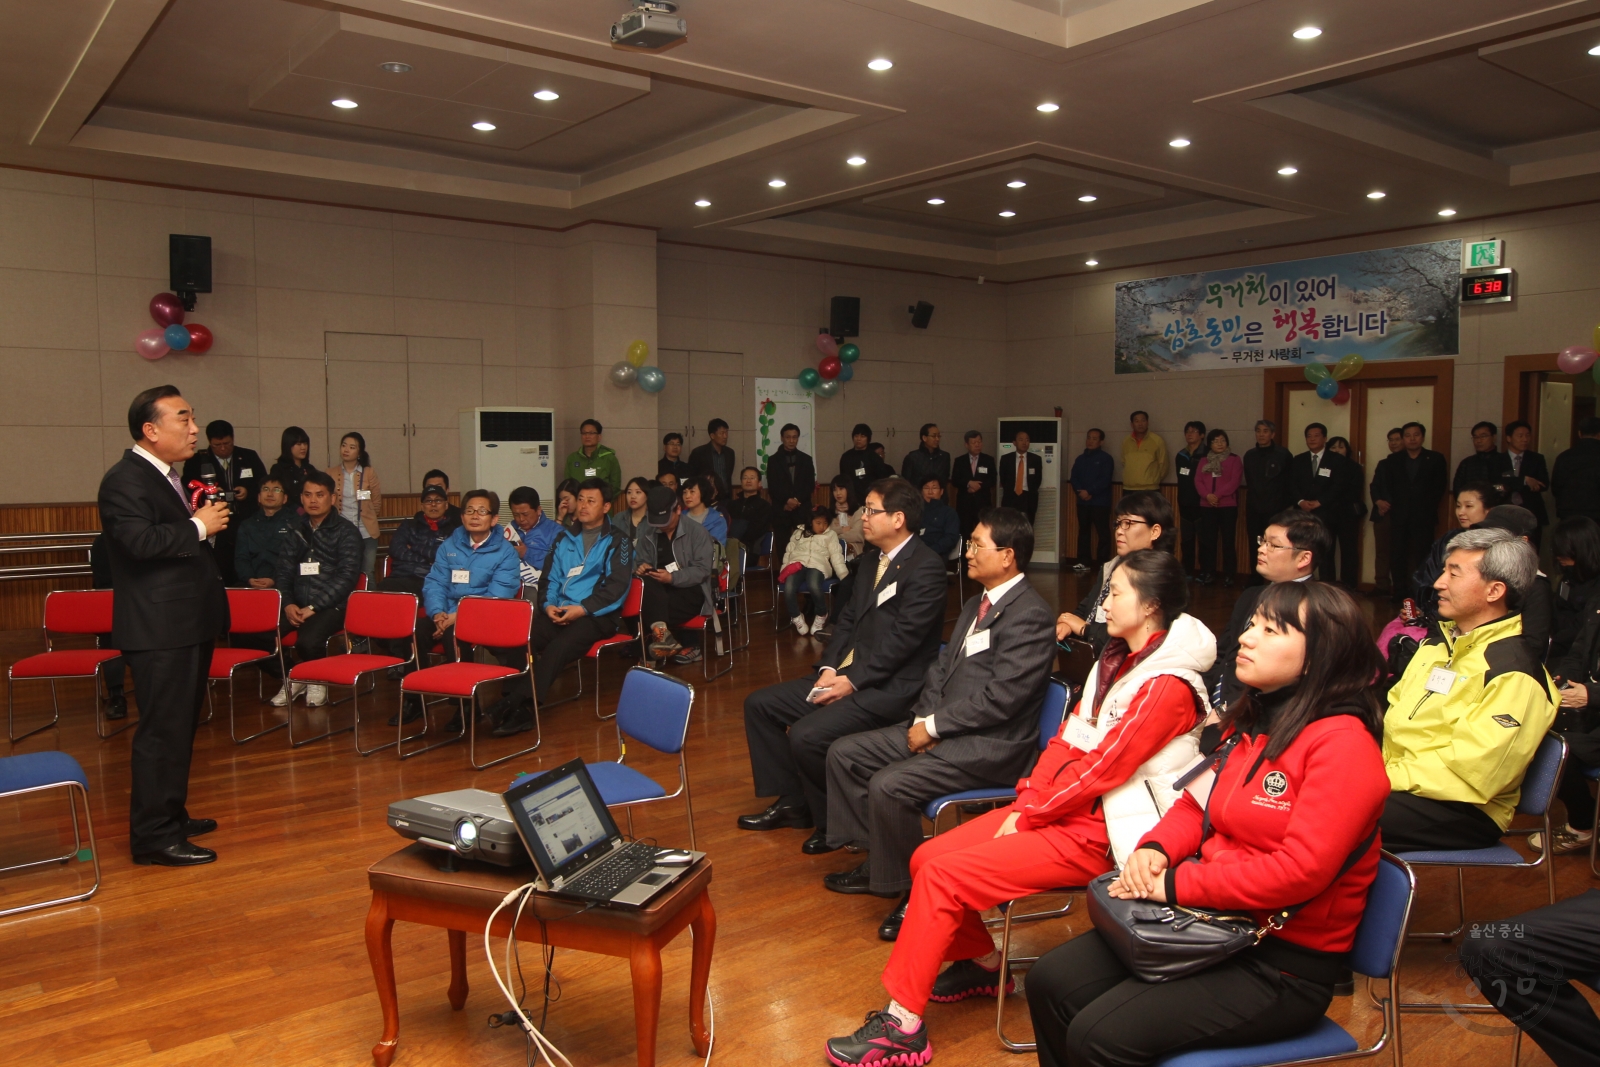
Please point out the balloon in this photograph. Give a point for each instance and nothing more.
(1342, 397)
(1348, 367)
(177, 337)
(1596, 344)
(1327, 389)
(846, 372)
(827, 345)
(830, 367)
(1316, 372)
(1595, 372)
(152, 344)
(199, 338)
(809, 378)
(769, 408)
(652, 379)
(166, 309)
(828, 387)
(1575, 359)
(638, 352)
(850, 353)
(623, 374)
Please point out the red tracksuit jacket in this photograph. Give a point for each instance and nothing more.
(1281, 829)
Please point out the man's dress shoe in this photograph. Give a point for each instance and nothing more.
(889, 929)
(778, 817)
(817, 844)
(196, 827)
(183, 854)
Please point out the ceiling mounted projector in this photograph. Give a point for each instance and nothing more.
(652, 24)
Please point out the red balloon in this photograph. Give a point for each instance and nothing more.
(200, 339)
(166, 309)
(830, 367)
(1342, 397)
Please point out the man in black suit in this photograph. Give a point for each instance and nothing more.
(870, 675)
(927, 460)
(861, 463)
(1321, 481)
(672, 457)
(1408, 487)
(715, 458)
(791, 483)
(1266, 473)
(1530, 477)
(976, 723)
(974, 478)
(169, 609)
(1020, 489)
(238, 471)
(1575, 478)
(1486, 464)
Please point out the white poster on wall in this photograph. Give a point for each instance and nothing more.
(780, 401)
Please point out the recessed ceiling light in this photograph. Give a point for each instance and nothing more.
(1087, 198)
(1376, 194)
(777, 183)
(546, 94)
(856, 161)
(1008, 214)
(1015, 185)
(1048, 107)
(1447, 211)
(344, 104)
(1305, 33)
(1286, 171)
(879, 64)
(1179, 142)
(936, 201)
(702, 202)
(1595, 51)
(1091, 263)
(484, 126)
(395, 67)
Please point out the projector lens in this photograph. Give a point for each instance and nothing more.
(466, 835)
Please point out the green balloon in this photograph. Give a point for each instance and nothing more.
(770, 408)
(809, 378)
(1316, 373)
(849, 353)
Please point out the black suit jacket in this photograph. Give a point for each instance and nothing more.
(961, 473)
(1331, 486)
(869, 464)
(1411, 501)
(1008, 473)
(169, 591)
(785, 480)
(231, 477)
(894, 636)
(1533, 466)
(702, 462)
(1491, 467)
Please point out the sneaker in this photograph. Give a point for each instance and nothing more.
(662, 643)
(289, 692)
(686, 656)
(1078, 568)
(1564, 839)
(316, 696)
(882, 1043)
(965, 978)
(800, 627)
(819, 627)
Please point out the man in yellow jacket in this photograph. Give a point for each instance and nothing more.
(1468, 714)
(1144, 456)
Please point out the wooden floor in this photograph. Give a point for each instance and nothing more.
(260, 958)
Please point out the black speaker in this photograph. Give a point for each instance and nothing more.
(189, 263)
(844, 316)
(921, 314)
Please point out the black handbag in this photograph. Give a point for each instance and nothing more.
(1160, 942)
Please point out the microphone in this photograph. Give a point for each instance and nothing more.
(213, 492)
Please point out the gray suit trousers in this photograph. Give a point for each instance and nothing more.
(876, 790)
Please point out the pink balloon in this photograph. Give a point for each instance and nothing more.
(1575, 359)
(827, 345)
(166, 309)
(152, 344)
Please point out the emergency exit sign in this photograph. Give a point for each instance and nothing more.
(1486, 253)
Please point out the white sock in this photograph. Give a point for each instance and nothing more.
(991, 962)
(908, 1020)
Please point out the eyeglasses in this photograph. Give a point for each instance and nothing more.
(1262, 542)
(1124, 525)
(868, 512)
(477, 512)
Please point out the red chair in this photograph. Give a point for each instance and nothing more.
(292, 638)
(632, 604)
(377, 617)
(493, 623)
(250, 611)
(719, 635)
(67, 611)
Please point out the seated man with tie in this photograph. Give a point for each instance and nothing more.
(976, 723)
(1021, 474)
(885, 638)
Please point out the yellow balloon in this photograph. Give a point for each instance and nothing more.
(1348, 367)
(638, 352)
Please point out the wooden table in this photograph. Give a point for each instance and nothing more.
(409, 886)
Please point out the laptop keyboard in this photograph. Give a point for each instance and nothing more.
(608, 877)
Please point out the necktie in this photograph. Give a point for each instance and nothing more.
(983, 608)
(1022, 473)
(883, 565)
(172, 476)
(1516, 465)
(1314, 464)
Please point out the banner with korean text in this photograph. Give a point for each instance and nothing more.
(1391, 303)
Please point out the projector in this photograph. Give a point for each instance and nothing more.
(651, 24)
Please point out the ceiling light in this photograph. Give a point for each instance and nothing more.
(546, 94)
(1179, 142)
(1091, 263)
(879, 64)
(484, 126)
(395, 67)
(1595, 51)
(1008, 214)
(1305, 33)
(936, 201)
(1286, 171)
(702, 202)
(856, 161)
(777, 183)
(1447, 212)
(1087, 198)
(344, 104)
(1015, 185)
(1376, 194)
(1047, 108)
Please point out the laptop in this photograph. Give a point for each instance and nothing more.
(576, 845)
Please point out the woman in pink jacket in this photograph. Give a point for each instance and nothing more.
(1217, 483)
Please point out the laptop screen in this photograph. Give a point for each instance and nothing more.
(561, 818)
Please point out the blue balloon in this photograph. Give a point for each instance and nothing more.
(848, 371)
(1327, 389)
(652, 379)
(177, 337)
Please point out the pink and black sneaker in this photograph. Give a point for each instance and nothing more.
(965, 978)
(882, 1043)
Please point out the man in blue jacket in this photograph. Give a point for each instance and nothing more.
(585, 579)
(1091, 483)
(531, 533)
(411, 553)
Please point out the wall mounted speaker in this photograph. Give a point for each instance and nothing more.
(921, 314)
(844, 316)
(189, 264)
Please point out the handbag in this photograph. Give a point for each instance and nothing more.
(1160, 942)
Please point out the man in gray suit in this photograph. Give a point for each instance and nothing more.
(975, 724)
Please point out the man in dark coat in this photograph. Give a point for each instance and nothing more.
(791, 483)
(1407, 488)
(1266, 477)
(974, 477)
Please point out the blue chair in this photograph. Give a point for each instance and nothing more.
(654, 710)
(1057, 698)
(35, 772)
(1376, 954)
(764, 547)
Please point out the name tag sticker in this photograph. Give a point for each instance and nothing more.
(363, 494)
(886, 593)
(1440, 680)
(247, 473)
(575, 571)
(977, 641)
(311, 567)
(1080, 735)
(460, 576)
(1183, 471)
(983, 470)
(590, 472)
(672, 568)
(1325, 473)
(861, 472)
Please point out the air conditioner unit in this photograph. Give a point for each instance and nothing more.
(1044, 438)
(504, 447)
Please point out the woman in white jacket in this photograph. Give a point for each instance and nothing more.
(814, 554)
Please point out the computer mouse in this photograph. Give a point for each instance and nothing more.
(674, 857)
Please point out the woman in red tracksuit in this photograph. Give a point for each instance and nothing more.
(1298, 795)
(1055, 833)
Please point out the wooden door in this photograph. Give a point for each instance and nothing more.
(367, 391)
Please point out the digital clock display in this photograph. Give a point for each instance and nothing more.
(1488, 287)
(1485, 286)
